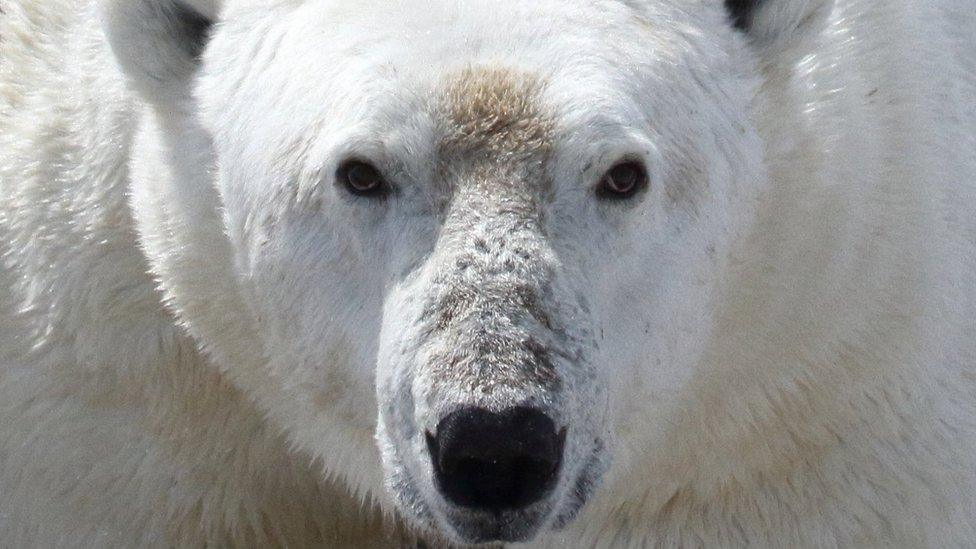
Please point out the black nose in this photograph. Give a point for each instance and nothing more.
(491, 461)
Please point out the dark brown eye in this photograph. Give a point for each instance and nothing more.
(361, 178)
(623, 180)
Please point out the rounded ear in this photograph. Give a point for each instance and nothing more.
(158, 42)
(774, 26)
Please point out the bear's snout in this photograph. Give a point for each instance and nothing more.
(493, 462)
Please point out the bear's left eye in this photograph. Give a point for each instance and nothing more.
(361, 178)
(624, 180)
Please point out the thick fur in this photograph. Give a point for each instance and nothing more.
(205, 341)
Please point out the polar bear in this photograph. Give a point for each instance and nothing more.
(628, 273)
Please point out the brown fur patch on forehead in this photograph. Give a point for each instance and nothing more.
(493, 114)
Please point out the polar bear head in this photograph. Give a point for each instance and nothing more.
(463, 253)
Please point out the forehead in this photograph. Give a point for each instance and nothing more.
(421, 40)
(433, 34)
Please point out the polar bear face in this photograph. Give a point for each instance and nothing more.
(488, 236)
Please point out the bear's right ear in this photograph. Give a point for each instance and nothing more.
(158, 43)
(777, 25)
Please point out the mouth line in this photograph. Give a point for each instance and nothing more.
(586, 481)
(492, 526)
(511, 529)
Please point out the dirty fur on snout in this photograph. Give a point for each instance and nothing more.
(493, 114)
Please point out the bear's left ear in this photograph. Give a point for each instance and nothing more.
(158, 43)
(777, 25)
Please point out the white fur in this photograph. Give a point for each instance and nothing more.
(203, 340)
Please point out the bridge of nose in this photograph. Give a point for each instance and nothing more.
(496, 140)
(484, 317)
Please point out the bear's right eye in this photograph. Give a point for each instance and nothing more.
(361, 179)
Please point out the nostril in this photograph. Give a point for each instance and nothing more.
(495, 461)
